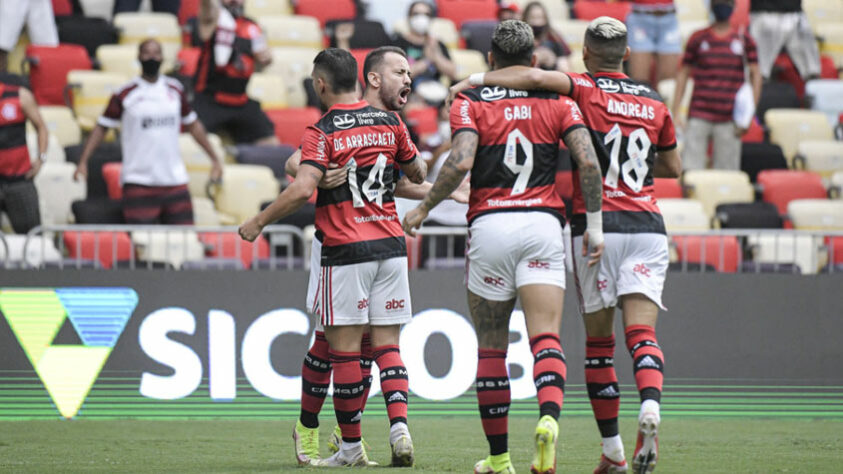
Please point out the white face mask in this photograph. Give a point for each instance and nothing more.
(420, 24)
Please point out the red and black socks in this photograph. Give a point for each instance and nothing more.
(602, 383)
(348, 393)
(366, 367)
(315, 378)
(493, 397)
(647, 360)
(394, 382)
(549, 372)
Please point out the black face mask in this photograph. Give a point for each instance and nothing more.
(235, 10)
(539, 30)
(150, 67)
(722, 11)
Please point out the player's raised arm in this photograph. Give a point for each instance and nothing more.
(334, 176)
(517, 77)
(407, 190)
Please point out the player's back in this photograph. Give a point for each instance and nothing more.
(518, 147)
(629, 124)
(357, 221)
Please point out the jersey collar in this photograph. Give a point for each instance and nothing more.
(356, 105)
(611, 75)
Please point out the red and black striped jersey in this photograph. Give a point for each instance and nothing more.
(519, 131)
(227, 82)
(629, 123)
(14, 156)
(357, 221)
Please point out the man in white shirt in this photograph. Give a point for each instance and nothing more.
(150, 110)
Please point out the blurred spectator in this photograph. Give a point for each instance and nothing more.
(653, 32)
(508, 10)
(715, 59)
(39, 20)
(429, 57)
(358, 34)
(150, 111)
(233, 46)
(551, 50)
(385, 12)
(778, 24)
(18, 196)
(163, 6)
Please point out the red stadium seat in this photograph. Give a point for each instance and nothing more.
(755, 133)
(590, 9)
(62, 8)
(188, 61)
(779, 187)
(721, 252)
(111, 174)
(107, 247)
(188, 10)
(360, 56)
(460, 11)
(291, 123)
(828, 70)
(423, 120)
(667, 188)
(564, 184)
(225, 245)
(48, 68)
(327, 10)
(835, 249)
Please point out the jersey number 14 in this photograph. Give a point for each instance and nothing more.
(373, 188)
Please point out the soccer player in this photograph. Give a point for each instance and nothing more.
(509, 140)
(363, 273)
(633, 133)
(387, 84)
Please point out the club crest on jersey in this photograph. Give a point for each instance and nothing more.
(9, 112)
(491, 94)
(608, 85)
(344, 121)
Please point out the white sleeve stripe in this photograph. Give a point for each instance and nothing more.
(108, 122)
(189, 118)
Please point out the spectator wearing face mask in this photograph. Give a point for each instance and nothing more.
(551, 50)
(429, 57)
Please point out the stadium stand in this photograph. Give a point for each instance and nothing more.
(721, 252)
(824, 157)
(826, 95)
(89, 32)
(468, 62)
(62, 124)
(714, 187)
(684, 215)
(204, 213)
(290, 123)
(111, 175)
(273, 157)
(748, 215)
(756, 157)
(105, 247)
(667, 188)
(478, 35)
(294, 64)
(667, 89)
(299, 31)
(262, 8)
(268, 89)
(779, 187)
(243, 190)
(136, 27)
(163, 247)
(788, 127)
(49, 68)
(193, 155)
(327, 10)
(816, 214)
(442, 28)
(56, 191)
(91, 91)
(460, 11)
(230, 246)
(776, 95)
(589, 9)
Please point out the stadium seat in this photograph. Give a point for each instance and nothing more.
(667, 89)
(683, 215)
(194, 156)
(713, 187)
(60, 122)
(123, 59)
(298, 31)
(295, 66)
(41, 250)
(86, 31)
(590, 9)
(56, 190)
(564, 183)
(443, 28)
(423, 120)
(105, 247)
(98, 8)
(572, 31)
(171, 248)
(105, 153)
(721, 252)
(800, 250)
(91, 91)
(360, 56)
(757, 157)
(776, 95)
(97, 211)
(822, 11)
(327, 10)
(190, 9)
(478, 35)
(230, 245)
(460, 11)
(187, 62)
(291, 123)
(49, 67)
(204, 213)
(272, 156)
(755, 133)
(748, 215)
(822, 157)
(691, 10)
(788, 127)
(111, 174)
(836, 185)
(55, 152)
(556, 10)
(468, 62)
(835, 250)
(826, 95)
(243, 190)
(779, 187)
(263, 8)
(269, 90)
(828, 68)
(688, 28)
(136, 27)
(667, 188)
(816, 214)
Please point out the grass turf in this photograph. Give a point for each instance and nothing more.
(443, 444)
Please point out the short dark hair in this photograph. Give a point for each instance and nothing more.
(605, 37)
(338, 67)
(375, 58)
(513, 43)
(429, 4)
(149, 41)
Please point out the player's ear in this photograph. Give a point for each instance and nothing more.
(534, 60)
(373, 79)
(626, 54)
(584, 53)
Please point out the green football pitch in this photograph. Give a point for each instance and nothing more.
(447, 443)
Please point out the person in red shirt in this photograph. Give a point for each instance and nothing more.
(363, 280)
(509, 140)
(18, 196)
(233, 47)
(715, 59)
(633, 134)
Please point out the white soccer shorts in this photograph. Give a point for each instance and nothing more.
(508, 250)
(631, 263)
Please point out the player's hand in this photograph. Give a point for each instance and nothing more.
(333, 177)
(216, 173)
(461, 194)
(36, 167)
(413, 220)
(739, 132)
(81, 173)
(596, 250)
(250, 230)
(456, 89)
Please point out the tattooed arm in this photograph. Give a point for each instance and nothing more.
(459, 163)
(591, 183)
(415, 170)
